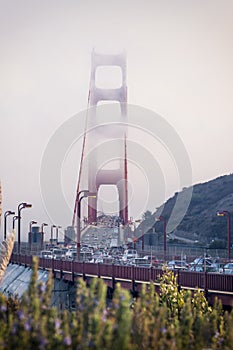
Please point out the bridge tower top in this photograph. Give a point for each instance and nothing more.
(97, 174)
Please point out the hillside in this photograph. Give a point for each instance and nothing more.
(201, 222)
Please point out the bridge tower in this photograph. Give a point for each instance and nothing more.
(110, 131)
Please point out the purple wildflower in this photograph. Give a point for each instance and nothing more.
(163, 330)
(117, 306)
(81, 307)
(20, 315)
(57, 326)
(43, 287)
(27, 326)
(57, 323)
(14, 329)
(104, 317)
(220, 341)
(43, 343)
(3, 308)
(67, 340)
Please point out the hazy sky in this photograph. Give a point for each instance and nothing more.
(179, 65)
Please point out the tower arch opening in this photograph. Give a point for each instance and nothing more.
(108, 200)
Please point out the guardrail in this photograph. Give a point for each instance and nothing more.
(186, 279)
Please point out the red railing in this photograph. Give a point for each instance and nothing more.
(220, 282)
(189, 279)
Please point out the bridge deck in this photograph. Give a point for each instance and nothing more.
(131, 277)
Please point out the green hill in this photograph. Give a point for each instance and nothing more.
(201, 222)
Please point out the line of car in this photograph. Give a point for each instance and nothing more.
(130, 257)
(202, 264)
(117, 256)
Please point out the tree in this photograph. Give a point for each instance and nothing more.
(147, 215)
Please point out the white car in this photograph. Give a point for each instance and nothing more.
(228, 268)
(129, 254)
(71, 253)
(58, 253)
(177, 265)
(46, 254)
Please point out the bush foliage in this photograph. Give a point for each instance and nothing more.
(173, 319)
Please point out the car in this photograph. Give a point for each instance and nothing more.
(46, 254)
(151, 259)
(71, 253)
(84, 256)
(201, 264)
(197, 268)
(58, 253)
(141, 262)
(215, 267)
(129, 254)
(228, 268)
(177, 265)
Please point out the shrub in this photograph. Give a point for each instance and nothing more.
(172, 319)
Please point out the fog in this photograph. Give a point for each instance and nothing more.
(179, 66)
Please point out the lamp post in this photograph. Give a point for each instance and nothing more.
(30, 233)
(162, 218)
(143, 238)
(42, 233)
(14, 219)
(82, 194)
(7, 213)
(57, 227)
(51, 238)
(227, 213)
(20, 207)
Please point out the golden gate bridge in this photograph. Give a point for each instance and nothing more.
(131, 277)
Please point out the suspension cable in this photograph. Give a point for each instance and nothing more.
(81, 161)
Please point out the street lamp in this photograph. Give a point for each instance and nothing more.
(227, 213)
(7, 213)
(14, 218)
(30, 233)
(30, 225)
(57, 227)
(42, 232)
(162, 218)
(20, 207)
(51, 238)
(81, 195)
